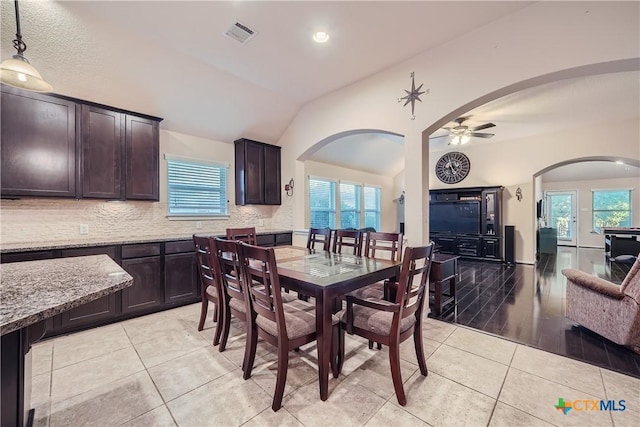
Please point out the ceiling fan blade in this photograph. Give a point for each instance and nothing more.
(482, 127)
(481, 135)
(439, 136)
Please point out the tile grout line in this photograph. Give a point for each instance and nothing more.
(504, 380)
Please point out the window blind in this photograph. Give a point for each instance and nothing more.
(322, 203)
(372, 207)
(350, 205)
(196, 188)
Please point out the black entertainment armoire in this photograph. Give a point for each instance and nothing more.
(467, 221)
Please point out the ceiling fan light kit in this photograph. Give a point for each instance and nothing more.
(17, 71)
(462, 134)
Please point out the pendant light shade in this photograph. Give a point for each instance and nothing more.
(17, 71)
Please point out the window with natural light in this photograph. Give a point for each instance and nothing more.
(372, 207)
(322, 203)
(196, 188)
(611, 208)
(350, 205)
(344, 204)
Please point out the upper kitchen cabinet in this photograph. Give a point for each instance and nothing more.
(38, 144)
(257, 173)
(102, 153)
(142, 159)
(58, 146)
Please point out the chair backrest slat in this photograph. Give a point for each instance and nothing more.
(246, 234)
(416, 265)
(230, 268)
(319, 235)
(206, 261)
(259, 266)
(385, 242)
(349, 238)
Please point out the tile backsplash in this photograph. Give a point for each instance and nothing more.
(33, 220)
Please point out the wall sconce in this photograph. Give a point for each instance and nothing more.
(288, 188)
(519, 194)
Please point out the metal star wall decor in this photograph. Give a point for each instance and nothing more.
(413, 96)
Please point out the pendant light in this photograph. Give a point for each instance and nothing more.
(17, 71)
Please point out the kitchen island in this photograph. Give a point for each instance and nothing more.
(31, 292)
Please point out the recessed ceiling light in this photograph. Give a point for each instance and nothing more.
(320, 37)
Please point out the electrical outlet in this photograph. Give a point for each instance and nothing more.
(199, 225)
(261, 222)
(84, 228)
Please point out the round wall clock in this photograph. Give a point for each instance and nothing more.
(453, 167)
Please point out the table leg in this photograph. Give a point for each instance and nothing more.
(437, 298)
(323, 332)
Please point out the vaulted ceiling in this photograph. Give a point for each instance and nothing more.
(172, 59)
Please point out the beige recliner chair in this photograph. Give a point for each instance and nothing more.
(610, 310)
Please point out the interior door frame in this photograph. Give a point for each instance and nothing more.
(574, 211)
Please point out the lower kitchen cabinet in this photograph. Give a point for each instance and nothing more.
(95, 312)
(146, 293)
(165, 275)
(180, 272)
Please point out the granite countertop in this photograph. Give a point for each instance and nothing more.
(35, 290)
(83, 243)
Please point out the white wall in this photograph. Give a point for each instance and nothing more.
(50, 219)
(542, 39)
(586, 237)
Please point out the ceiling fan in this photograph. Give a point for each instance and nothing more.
(461, 134)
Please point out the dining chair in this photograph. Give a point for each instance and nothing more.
(285, 326)
(392, 322)
(348, 238)
(384, 246)
(246, 234)
(210, 288)
(319, 235)
(236, 298)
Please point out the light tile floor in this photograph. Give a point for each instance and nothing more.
(158, 370)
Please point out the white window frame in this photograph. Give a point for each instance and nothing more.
(357, 187)
(378, 209)
(337, 217)
(594, 211)
(333, 210)
(212, 212)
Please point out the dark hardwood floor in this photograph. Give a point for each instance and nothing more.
(525, 303)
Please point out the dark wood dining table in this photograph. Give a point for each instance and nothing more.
(327, 276)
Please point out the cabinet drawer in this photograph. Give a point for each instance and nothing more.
(265, 240)
(25, 256)
(179, 247)
(283, 239)
(140, 250)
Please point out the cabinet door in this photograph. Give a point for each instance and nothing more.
(146, 292)
(254, 170)
(491, 248)
(272, 191)
(38, 145)
(94, 312)
(102, 149)
(142, 159)
(180, 278)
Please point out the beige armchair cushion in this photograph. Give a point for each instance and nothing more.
(610, 310)
(593, 283)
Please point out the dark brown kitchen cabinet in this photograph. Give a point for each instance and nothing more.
(257, 167)
(102, 152)
(97, 311)
(54, 145)
(180, 272)
(142, 159)
(38, 150)
(144, 263)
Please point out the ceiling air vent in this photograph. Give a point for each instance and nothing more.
(240, 32)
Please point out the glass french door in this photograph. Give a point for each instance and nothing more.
(561, 215)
